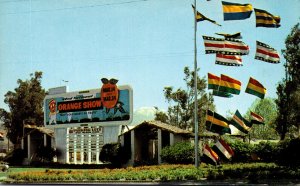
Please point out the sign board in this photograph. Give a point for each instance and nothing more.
(85, 108)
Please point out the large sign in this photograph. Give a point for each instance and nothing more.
(85, 108)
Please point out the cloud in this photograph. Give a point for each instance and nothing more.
(143, 114)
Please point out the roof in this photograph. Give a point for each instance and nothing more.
(43, 130)
(160, 125)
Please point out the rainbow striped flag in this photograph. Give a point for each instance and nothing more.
(256, 88)
(230, 85)
(266, 53)
(235, 11)
(240, 123)
(216, 123)
(229, 60)
(213, 81)
(222, 94)
(256, 119)
(265, 19)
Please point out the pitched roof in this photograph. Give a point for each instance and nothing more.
(162, 126)
(43, 130)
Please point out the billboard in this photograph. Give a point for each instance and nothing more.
(85, 108)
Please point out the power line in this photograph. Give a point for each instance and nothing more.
(72, 8)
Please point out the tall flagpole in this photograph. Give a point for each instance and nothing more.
(195, 91)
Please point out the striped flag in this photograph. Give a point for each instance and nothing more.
(256, 88)
(235, 11)
(210, 156)
(225, 46)
(201, 17)
(240, 123)
(230, 85)
(266, 53)
(223, 149)
(213, 45)
(217, 123)
(228, 60)
(235, 47)
(265, 19)
(213, 81)
(222, 94)
(256, 119)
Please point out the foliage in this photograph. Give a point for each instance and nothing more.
(181, 102)
(267, 151)
(289, 153)
(288, 91)
(15, 157)
(266, 108)
(25, 104)
(114, 153)
(253, 172)
(242, 151)
(179, 153)
(46, 153)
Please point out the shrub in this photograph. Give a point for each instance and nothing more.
(242, 151)
(266, 151)
(114, 153)
(289, 153)
(181, 153)
(15, 157)
(46, 153)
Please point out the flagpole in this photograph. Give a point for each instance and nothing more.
(195, 91)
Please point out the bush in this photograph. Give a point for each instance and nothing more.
(266, 151)
(15, 157)
(114, 153)
(289, 153)
(179, 153)
(242, 151)
(46, 153)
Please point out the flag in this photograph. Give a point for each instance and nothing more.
(256, 119)
(235, 11)
(233, 36)
(240, 123)
(213, 81)
(217, 123)
(225, 46)
(210, 156)
(265, 19)
(222, 94)
(235, 47)
(256, 88)
(230, 85)
(212, 44)
(266, 53)
(223, 149)
(228, 60)
(201, 17)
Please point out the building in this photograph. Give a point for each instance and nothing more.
(146, 140)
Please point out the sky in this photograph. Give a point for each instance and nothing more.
(143, 43)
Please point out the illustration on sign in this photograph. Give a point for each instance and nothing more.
(88, 106)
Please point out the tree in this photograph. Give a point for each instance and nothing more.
(267, 109)
(26, 106)
(288, 91)
(181, 102)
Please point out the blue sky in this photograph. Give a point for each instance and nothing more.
(145, 44)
